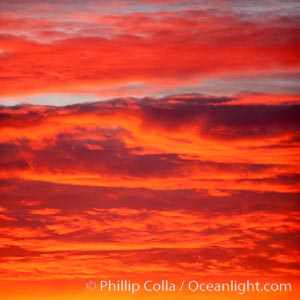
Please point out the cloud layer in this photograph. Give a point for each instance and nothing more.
(191, 170)
(84, 51)
(121, 180)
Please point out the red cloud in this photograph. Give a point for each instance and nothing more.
(182, 185)
(167, 49)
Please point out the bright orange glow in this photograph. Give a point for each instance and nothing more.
(189, 172)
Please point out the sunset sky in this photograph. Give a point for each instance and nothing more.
(151, 139)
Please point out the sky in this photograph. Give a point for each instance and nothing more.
(152, 139)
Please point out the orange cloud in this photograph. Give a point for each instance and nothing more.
(123, 179)
(120, 237)
(161, 187)
(104, 144)
(45, 211)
